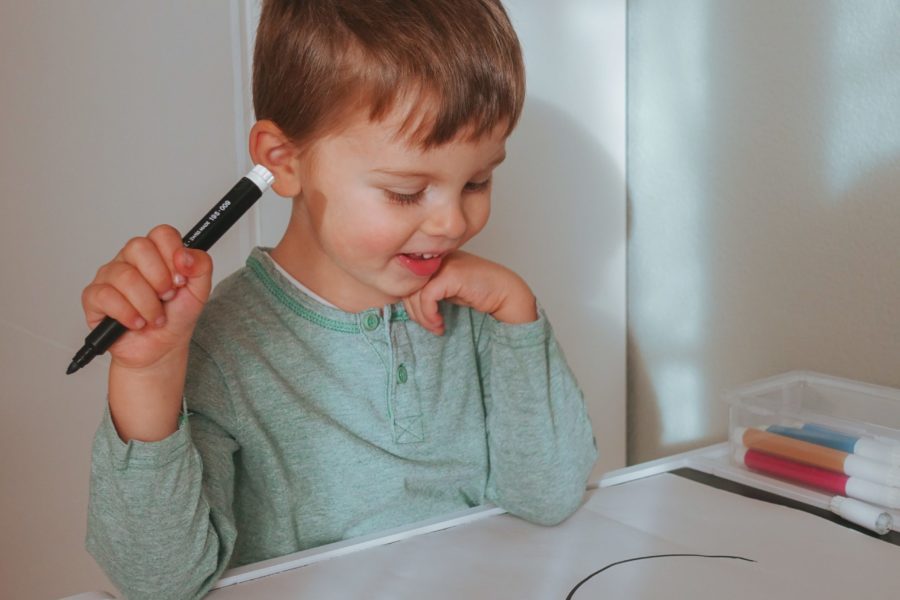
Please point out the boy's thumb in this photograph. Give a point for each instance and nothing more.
(197, 267)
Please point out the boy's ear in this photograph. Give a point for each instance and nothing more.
(271, 148)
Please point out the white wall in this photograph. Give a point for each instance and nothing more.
(764, 197)
(558, 215)
(116, 116)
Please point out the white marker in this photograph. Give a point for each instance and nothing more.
(896, 516)
(865, 515)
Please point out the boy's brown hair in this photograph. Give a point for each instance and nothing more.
(317, 61)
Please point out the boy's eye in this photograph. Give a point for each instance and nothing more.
(405, 198)
(477, 186)
(416, 197)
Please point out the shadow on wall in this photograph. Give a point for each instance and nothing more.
(863, 308)
(551, 224)
(745, 139)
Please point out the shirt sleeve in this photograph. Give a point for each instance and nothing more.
(160, 519)
(541, 446)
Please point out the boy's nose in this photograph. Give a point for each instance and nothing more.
(446, 220)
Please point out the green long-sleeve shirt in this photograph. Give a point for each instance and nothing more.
(310, 425)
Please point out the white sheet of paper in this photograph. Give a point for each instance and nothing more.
(797, 555)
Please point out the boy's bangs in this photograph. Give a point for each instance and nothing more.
(436, 112)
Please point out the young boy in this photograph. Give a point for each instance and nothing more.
(365, 373)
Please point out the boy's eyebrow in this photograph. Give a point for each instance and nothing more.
(403, 173)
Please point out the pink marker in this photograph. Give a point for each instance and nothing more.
(829, 481)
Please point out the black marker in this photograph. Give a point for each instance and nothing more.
(223, 215)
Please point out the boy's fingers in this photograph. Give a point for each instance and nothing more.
(413, 305)
(145, 256)
(412, 308)
(100, 300)
(140, 294)
(168, 242)
(433, 292)
(131, 284)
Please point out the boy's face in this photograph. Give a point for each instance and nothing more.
(375, 215)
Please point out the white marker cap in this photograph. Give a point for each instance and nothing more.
(875, 493)
(858, 466)
(261, 176)
(875, 450)
(737, 435)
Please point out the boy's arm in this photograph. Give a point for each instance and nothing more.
(160, 519)
(540, 442)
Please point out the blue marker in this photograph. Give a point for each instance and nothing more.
(825, 436)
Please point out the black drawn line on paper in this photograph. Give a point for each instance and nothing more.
(628, 560)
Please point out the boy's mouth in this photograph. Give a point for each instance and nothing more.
(422, 265)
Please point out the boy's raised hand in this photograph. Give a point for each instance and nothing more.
(156, 288)
(470, 280)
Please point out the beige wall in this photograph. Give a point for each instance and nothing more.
(116, 116)
(764, 199)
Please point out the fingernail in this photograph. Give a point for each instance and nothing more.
(139, 323)
(179, 279)
(187, 259)
(160, 321)
(167, 296)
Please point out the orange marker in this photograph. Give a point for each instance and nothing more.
(817, 456)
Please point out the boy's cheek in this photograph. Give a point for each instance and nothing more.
(377, 243)
(477, 222)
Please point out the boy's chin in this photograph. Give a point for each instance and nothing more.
(401, 291)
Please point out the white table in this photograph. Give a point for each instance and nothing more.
(645, 532)
(649, 533)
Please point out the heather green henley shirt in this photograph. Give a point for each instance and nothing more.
(308, 425)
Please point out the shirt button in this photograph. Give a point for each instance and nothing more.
(371, 322)
(402, 375)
